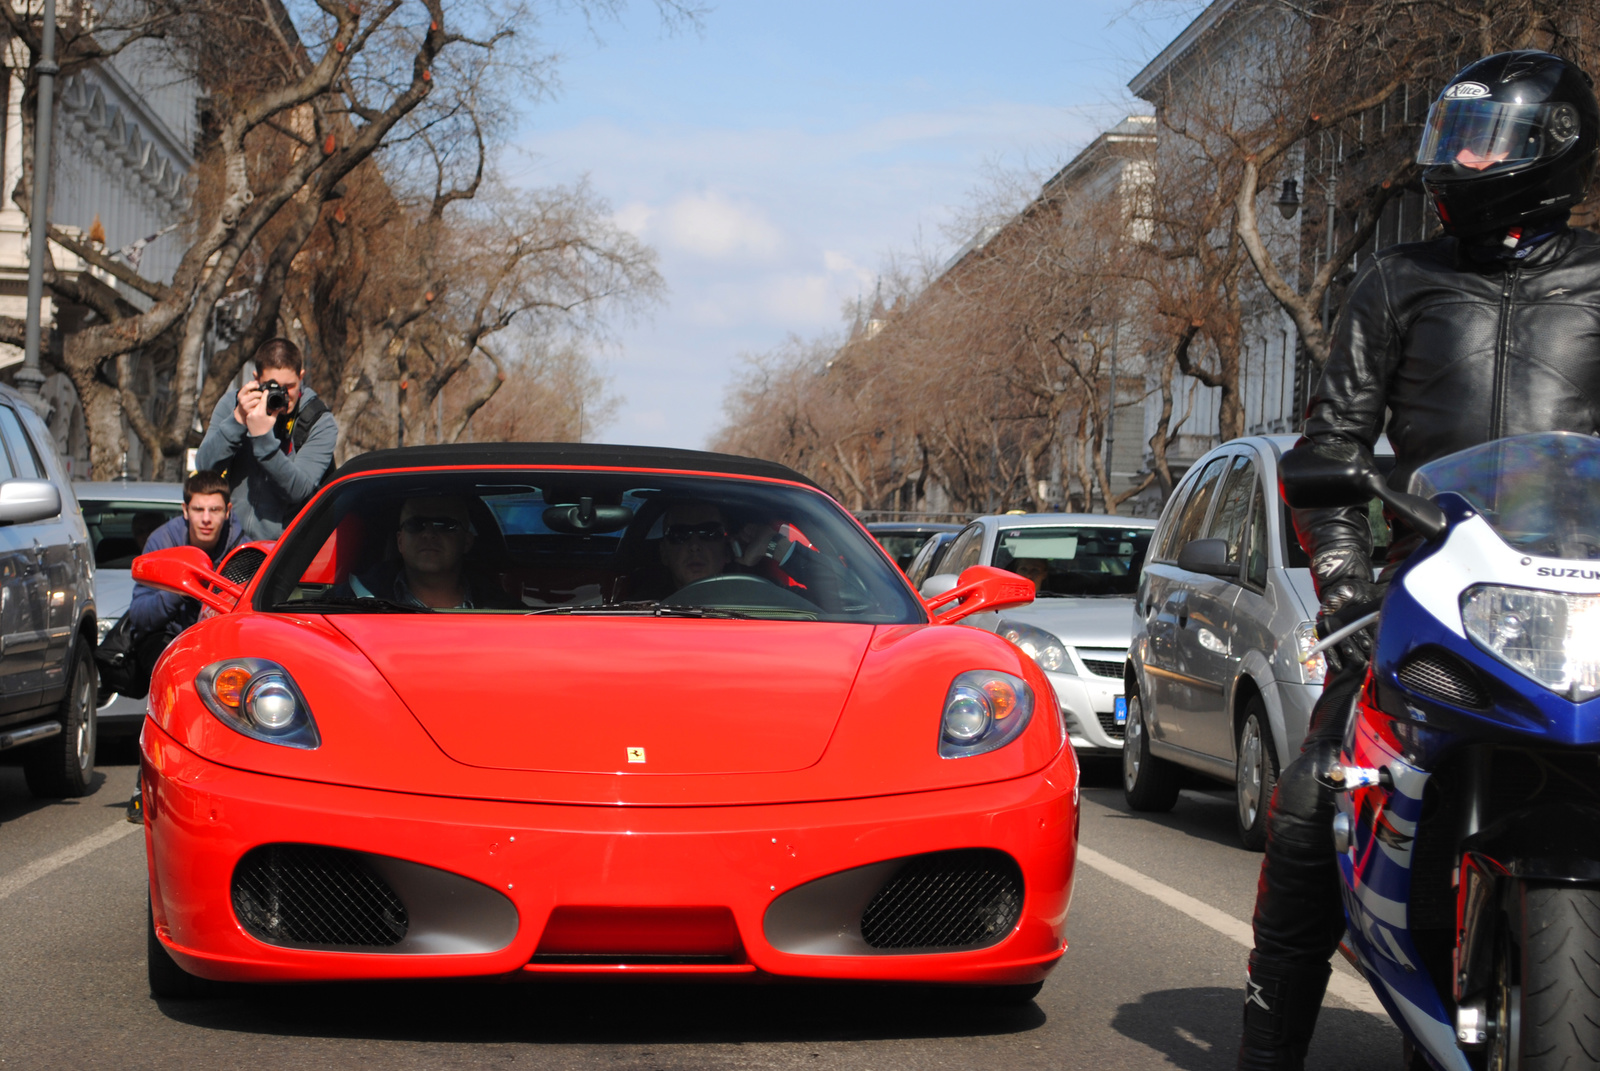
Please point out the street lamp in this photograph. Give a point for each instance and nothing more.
(29, 378)
(1288, 201)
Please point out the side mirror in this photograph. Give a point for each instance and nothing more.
(1312, 481)
(22, 501)
(938, 584)
(1208, 556)
(979, 589)
(187, 571)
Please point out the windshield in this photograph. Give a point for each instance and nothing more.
(1540, 493)
(1075, 559)
(118, 529)
(558, 542)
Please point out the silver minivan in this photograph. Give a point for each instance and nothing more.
(1224, 609)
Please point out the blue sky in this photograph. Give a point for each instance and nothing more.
(776, 157)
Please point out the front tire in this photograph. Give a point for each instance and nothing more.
(1255, 775)
(1148, 783)
(62, 766)
(1556, 1023)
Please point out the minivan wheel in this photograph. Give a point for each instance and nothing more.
(1255, 775)
(62, 766)
(1148, 783)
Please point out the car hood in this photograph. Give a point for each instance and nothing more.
(113, 590)
(575, 694)
(1081, 622)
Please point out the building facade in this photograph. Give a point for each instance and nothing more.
(122, 154)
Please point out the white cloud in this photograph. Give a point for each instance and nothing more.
(712, 226)
(634, 217)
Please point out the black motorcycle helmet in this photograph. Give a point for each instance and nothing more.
(1510, 142)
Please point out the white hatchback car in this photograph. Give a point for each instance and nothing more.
(1087, 567)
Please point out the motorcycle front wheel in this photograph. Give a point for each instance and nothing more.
(1545, 983)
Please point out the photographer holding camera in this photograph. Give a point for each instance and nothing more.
(273, 438)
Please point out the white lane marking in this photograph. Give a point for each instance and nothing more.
(37, 869)
(1352, 992)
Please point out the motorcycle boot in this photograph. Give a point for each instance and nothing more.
(1280, 1012)
(1299, 917)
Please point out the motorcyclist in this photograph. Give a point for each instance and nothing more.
(1490, 331)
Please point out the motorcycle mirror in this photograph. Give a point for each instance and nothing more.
(1424, 517)
(1313, 481)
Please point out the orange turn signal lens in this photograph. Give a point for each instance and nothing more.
(229, 685)
(1002, 698)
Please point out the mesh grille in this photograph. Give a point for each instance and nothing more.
(1103, 668)
(1438, 673)
(1108, 722)
(242, 564)
(305, 894)
(946, 900)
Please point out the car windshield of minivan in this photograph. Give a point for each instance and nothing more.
(118, 530)
(582, 542)
(1075, 560)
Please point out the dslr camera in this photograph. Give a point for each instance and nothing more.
(277, 397)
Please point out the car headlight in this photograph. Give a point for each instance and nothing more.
(984, 710)
(1547, 635)
(1315, 670)
(259, 699)
(103, 626)
(1037, 644)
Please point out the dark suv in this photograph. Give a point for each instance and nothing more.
(47, 619)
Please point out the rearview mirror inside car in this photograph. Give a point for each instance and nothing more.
(1208, 557)
(187, 571)
(980, 588)
(23, 501)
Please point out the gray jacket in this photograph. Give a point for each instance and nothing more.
(270, 481)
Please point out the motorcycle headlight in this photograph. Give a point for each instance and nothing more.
(1037, 644)
(1549, 636)
(103, 626)
(984, 710)
(1315, 670)
(259, 699)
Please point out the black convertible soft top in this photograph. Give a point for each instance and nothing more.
(581, 455)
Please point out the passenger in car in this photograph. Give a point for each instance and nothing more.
(1034, 569)
(434, 539)
(696, 543)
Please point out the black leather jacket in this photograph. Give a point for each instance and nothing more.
(1457, 353)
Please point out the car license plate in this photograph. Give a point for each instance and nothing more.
(1122, 710)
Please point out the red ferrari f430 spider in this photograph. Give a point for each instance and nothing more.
(522, 710)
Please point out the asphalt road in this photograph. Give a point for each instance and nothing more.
(1152, 978)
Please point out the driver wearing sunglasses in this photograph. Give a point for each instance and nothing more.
(434, 539)
(694, 542)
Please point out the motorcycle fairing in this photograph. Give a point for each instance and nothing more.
(1376, 886)
(1411, 733)
(1424, 606)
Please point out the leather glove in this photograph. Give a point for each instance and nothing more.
(1349, 599)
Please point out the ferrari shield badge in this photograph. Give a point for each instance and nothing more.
(636, 754)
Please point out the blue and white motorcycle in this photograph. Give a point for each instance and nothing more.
(1469, 828)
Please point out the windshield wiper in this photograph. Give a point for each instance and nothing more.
(357, 603)
(645, 608)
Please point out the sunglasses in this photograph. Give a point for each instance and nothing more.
(418, 525)
(704, 532)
